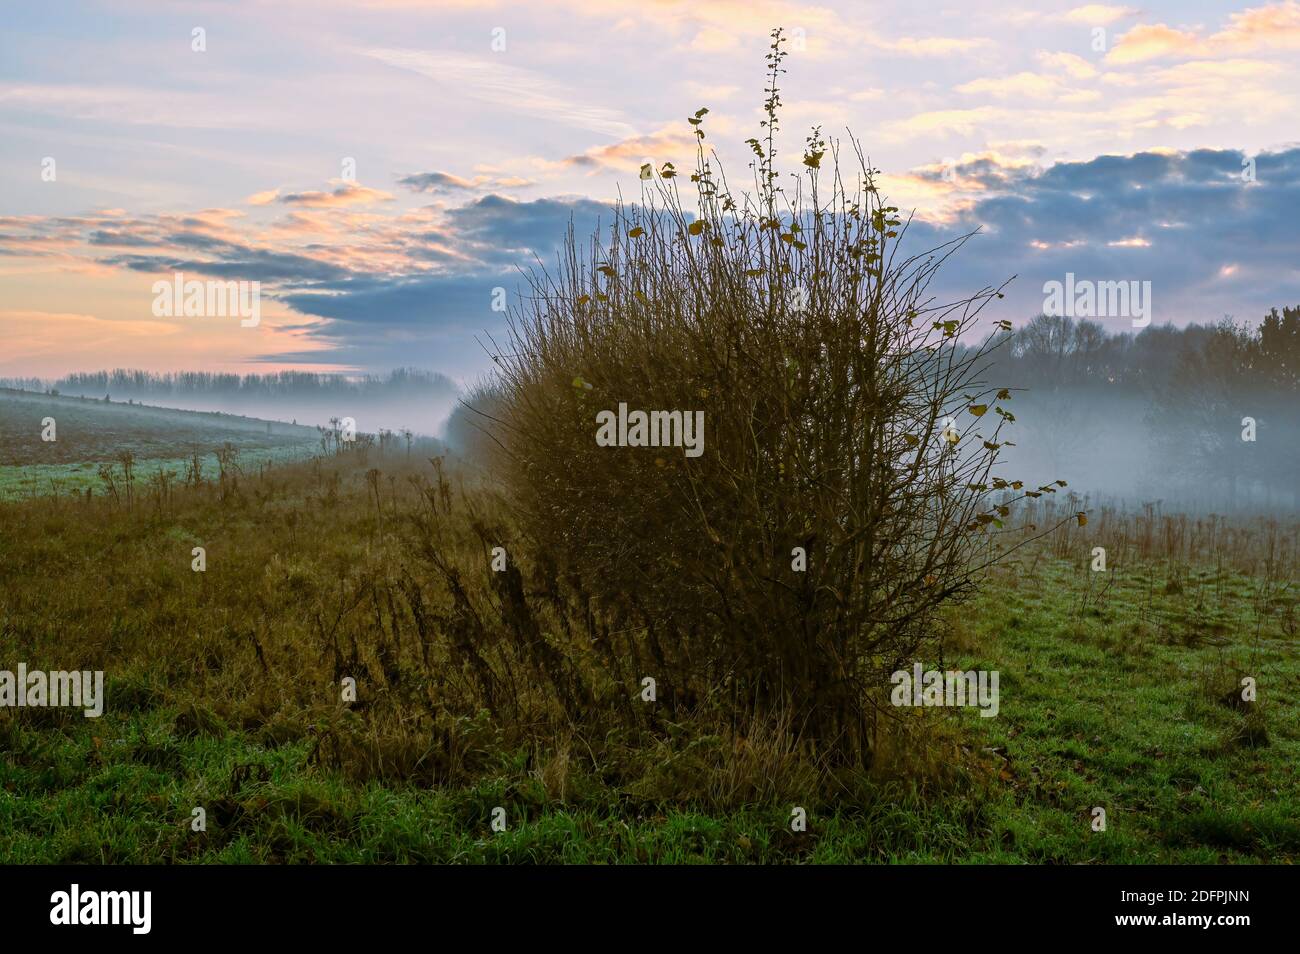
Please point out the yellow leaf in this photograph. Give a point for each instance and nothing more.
(695, 228)
(1083, 519)
(636, 232)
(978, 409)
(646, 171)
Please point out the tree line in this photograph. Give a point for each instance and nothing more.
(1217, 403)
(127, 382)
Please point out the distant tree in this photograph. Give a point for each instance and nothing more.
(1058, 350)
(1221, 378)
(1279, 349)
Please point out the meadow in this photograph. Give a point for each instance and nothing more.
(90, 433)
(1119, 690)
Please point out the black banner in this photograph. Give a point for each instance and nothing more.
(337, 904)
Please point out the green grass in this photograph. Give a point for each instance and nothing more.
(88, 798)
(1122, 706)
(90, 433)
(1108, 706)
(1114, 694)
(30, 480)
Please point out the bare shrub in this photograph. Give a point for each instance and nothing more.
(841, 417)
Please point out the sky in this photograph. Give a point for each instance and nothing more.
(380, 167)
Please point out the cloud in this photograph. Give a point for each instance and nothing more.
(503, 229)
(1273, 27)
(34, 337)
(1098, 14)
(714, 40)
(238, 264)
(343, 195)
(1024, 85)
(438, 182)
(521, 90)
(129, 105)
(118, 238)
(1175, 218)
(962, 122)
(1178, 219)
(747, 18)
(442, 301)
(417, 284)
(1148, 42)
(1076, 66)
(711, 92)
(932, 45)
(446, 182)
(671, 143)
(1242, 95)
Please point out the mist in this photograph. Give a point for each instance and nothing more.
(1203, 417)
(405, 399)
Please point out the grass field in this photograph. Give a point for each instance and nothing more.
(90, 433)
(1118, 691)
